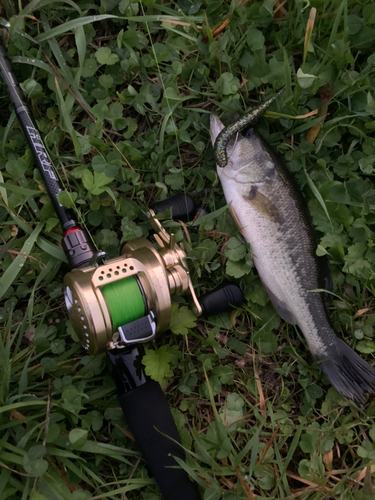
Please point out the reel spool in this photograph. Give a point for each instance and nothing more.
(127, 300)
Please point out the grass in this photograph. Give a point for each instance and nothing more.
(122, 92)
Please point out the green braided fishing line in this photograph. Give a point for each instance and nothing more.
(124, 300)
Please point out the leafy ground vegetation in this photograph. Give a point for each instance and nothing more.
(122, 92)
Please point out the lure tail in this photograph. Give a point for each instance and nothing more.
(349, 374)
(220, 147)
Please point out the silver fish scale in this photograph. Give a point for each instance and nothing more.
(281, 242)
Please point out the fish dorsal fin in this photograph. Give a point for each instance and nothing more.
(281, 308)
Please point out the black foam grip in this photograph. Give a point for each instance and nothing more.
(183, 207)
(223, 298)
(146, 411)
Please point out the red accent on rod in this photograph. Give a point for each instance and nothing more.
(72, 230)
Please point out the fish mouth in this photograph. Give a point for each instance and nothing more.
(216, 127)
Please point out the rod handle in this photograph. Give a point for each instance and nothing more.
(150, 420)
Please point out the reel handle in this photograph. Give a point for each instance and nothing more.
(182, 206)
(140, 398)
(222, 299)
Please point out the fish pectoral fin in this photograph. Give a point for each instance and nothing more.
(263, 205)
(281, 308)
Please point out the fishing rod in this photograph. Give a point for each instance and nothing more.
(116, 305)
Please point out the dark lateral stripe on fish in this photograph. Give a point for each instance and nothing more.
(301, 205)
(222, 140)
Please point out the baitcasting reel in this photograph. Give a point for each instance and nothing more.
(127, 300)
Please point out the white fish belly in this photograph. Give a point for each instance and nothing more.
(282, 259)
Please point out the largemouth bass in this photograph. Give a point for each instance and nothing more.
(271, 213)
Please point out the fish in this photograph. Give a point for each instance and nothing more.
(269, 209)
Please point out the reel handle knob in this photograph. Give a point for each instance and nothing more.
(222, 299)
(182, 206)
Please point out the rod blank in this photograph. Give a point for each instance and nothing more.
(30, 129)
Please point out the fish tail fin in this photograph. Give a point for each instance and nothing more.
(349, 374)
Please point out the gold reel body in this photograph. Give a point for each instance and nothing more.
(159, 274)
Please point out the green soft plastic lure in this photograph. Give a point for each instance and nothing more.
(220, 148)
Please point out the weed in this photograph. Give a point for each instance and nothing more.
(122, 92)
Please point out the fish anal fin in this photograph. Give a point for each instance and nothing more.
(263, 205)
(326, 277)
(281, 308)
